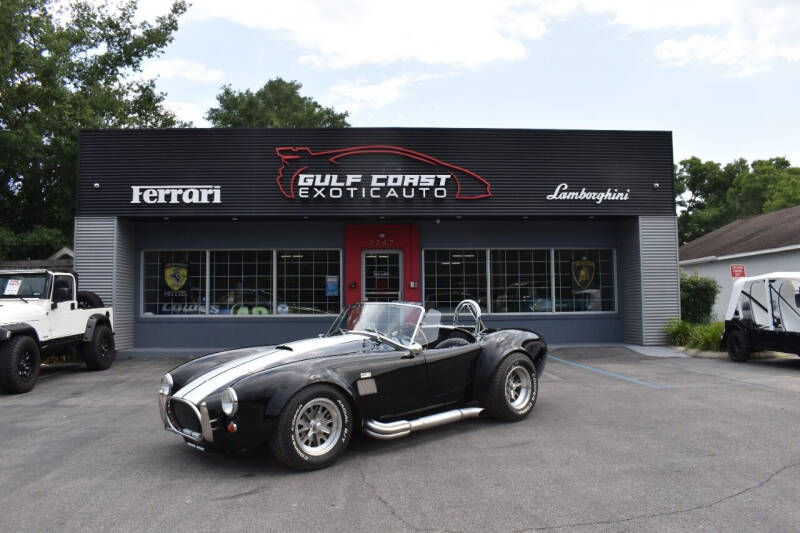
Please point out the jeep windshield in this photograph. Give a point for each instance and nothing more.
(23, 285)
(395, 321)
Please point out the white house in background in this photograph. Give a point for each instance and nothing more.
(760, 244)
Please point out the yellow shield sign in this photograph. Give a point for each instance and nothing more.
(583, 273)
(175, 276)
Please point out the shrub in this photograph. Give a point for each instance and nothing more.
(697, 298)
(37, 243)
(678, 332)
(707, 336)
(699, 336)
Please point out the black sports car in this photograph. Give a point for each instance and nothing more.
(384, 368)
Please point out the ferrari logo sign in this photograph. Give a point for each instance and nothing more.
(175, 276)
(583, 273)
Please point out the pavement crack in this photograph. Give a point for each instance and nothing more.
(384, 501)
(709, 505)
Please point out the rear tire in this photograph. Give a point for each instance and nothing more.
(89, 300)
(313, 429)
(738, 348)
(19, 364)
(513, 389)
(99, 353)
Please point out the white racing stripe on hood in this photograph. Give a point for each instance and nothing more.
(196, 390)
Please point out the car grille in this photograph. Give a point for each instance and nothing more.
(183, 417)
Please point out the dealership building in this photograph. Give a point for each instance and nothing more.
(211, 238)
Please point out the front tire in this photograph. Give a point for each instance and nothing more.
(513, 389)
(99, 353)
(19, 364)
(313, 429)
(738, 348)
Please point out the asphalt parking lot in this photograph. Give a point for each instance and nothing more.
(617, 442)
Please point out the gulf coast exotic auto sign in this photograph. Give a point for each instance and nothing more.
(374, 172)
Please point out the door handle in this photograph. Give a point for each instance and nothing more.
(409, 355)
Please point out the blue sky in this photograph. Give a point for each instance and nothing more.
(723, 76)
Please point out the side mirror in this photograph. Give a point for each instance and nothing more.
(415, 348)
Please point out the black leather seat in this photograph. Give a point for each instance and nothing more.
(452, 342)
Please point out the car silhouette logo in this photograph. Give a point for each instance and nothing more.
(294, 160)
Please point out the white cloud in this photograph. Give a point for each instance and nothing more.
(741, 36)
(191, 111)
(359, 94)
(180, 68)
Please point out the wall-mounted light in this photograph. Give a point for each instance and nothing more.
(96, 185)
(656, 186)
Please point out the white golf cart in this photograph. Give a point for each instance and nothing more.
(763, 314)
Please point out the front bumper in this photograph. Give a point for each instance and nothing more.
(168, 407)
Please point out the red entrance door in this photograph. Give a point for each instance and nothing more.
(363, 249)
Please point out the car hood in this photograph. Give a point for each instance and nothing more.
(199, 378)
(15, 311)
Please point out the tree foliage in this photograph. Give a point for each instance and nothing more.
(278, 104)
(66, 67)
(710, 195)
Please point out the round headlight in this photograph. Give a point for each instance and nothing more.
(230, 403)
(166, 385)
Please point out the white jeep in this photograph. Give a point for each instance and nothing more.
(42, 312)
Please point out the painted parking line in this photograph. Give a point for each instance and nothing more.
(610, 374)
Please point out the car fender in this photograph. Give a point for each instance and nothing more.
(276, 386)
(94, 321)
(9, 330)
(733, 325)
(497, 346)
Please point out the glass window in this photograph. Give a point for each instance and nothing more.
(452, 276)
(241, 282)
(584, 280)
(308, 282)
(175, 283)
(521, 281)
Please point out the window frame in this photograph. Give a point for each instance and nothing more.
(552, 254)
(487, 262)
(207, 315)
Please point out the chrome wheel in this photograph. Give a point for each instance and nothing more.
(318, 426)
(519, 387)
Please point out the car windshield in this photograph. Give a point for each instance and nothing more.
(25, 285)
(395, 321)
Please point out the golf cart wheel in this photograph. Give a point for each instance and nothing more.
(738, 349)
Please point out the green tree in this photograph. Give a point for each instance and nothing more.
(278, 104)
(701, 189)
(64, 67)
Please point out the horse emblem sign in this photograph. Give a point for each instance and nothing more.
(175, 276)
(583, 273)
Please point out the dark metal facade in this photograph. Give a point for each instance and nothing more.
(521, 168)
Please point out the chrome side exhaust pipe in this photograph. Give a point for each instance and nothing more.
(401, 428)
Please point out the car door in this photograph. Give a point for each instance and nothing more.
(450, 371)
(64, 314)
(389, 382)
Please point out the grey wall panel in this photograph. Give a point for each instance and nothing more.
(658, 237)
(631, 267)
(105, 263)
(124, 296)
(94, 255)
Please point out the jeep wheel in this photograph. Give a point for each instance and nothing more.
(513, 389)
(738, 349)
(19, 364)
(89, 300)
(313, 429)
(98, 353)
